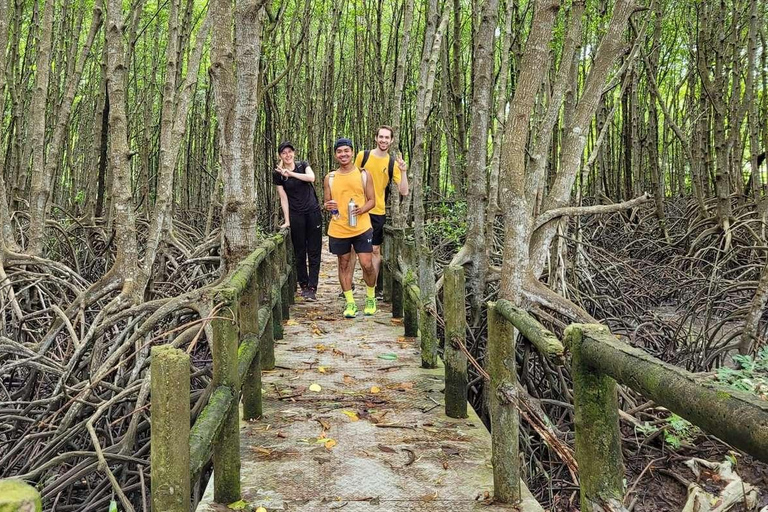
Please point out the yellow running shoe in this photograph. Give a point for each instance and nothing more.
(351, 310)
(370, 306)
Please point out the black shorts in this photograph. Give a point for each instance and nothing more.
(361, 243)
(378, 221)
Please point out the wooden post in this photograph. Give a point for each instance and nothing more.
(598, 439)
(275, 292)
(456, 379)
(410, 310)
(385, 276)
(286, 293)
(17, 496)
(505, 419)
(397, 286)
(291, 268)
(170, 429)
(428, 311)
(267, 346)
(249, 325)
(226, 448)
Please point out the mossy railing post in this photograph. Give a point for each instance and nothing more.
(505, 420)
(17, 496)
(274, 265)
(286, 293)
(397, 285)
(428, 310)
(292, 277)
(410, 306)
(267, 346)
(598, 439)
(249, 327)
(170, 429)
(456, 379)
(385, 273)
(226, 447)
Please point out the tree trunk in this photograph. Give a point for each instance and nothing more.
(126, 261)
(40, 187)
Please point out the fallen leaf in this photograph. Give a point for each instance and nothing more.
(282, 435)
(261, 509)
(397, 321)
(388, 356)
(315, 387)
(404, 386)
(330, 444)
(238, 505)
(321, 369)
(291, 322)
(261, 450)
(428, 497)
(386, 449)
(348, 379)
(324, 424)
(446, 466)
(320, 347)
(375, 389)
(352, 415)
(450, 450)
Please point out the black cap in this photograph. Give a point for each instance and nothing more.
(343, 141)
(283, 145)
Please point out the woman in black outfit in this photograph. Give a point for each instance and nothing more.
(301, 211)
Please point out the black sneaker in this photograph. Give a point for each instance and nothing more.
(310, 294)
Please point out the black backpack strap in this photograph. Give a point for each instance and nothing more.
(366, 154)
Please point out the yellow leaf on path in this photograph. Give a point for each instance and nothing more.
(320, 347)
(321, 369)
(291, 322)
(348, 379)
(238, 505)
(330, 444)
(397, 321)
(375, 389)
(352, 415)
(261, 509)
(315, 387)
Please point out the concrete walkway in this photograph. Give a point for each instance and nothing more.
(374, 436)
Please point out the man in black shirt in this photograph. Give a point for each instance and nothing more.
(301, 211)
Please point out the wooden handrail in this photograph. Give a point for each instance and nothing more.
(600, 360)
(252, 303)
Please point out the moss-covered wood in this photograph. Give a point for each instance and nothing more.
(207, 428)
(410, 309)
(283, 271)
(226, 448)
(249, 309)
(249, 370)
(598, 439)
(17, 496)
(734, 416)
(456, 379)
(505, 420)
(170, 429)
(541, 337)
(226, 458)
(397, 298)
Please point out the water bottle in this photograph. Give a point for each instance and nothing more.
(350, 216)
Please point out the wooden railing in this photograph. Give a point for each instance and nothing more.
(598, 361)
(247, 312)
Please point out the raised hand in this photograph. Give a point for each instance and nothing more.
(401, 163)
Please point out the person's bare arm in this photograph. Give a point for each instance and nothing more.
(308, 176)
(328, 202)
(284, 206)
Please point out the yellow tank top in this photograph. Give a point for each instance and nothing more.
(348, 186)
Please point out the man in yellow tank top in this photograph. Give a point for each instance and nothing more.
(349, 196)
